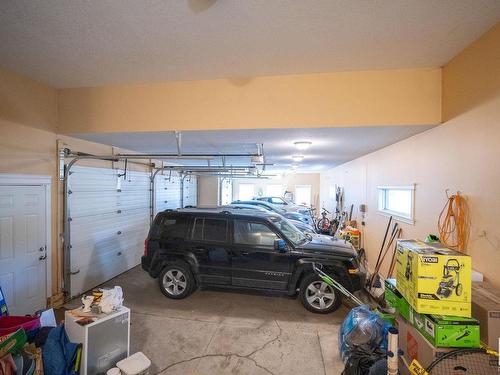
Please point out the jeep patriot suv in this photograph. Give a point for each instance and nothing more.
(246, 250)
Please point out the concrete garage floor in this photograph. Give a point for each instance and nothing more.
(224, 332)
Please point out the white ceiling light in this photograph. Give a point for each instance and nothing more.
(297, 158)
(295, 166)
(303, 145)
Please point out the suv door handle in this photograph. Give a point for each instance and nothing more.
(244, 253)
(200, 249)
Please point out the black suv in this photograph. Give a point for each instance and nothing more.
(190, 248)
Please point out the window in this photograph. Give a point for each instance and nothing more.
(256, 234)
(275, 200)
(210, 230)
(303, 194)
(397, 201)
(173, 227)
(274, 190)
(246, 192)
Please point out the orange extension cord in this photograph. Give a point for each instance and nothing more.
(453, 223)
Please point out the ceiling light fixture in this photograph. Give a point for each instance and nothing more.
(295, 166)
(303, 145)
(297, 158)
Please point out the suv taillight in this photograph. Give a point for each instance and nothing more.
(146, 247)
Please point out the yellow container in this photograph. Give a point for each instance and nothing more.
(433, 278)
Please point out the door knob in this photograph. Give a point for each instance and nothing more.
(42, 257)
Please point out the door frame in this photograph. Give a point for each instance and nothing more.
(12, 179)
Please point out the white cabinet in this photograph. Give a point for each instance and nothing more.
(104, 342)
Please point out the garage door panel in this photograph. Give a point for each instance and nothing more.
(167, 192)
(190, 191)
(107, 269)
(105, 249)
(109, 221)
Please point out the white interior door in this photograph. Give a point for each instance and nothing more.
(23, 248)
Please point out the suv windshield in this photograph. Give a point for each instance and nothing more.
(289, 230)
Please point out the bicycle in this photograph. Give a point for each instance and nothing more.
(323, 224)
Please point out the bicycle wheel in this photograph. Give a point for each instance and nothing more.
(323, 224)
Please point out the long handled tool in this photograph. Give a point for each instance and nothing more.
(335, 284)
(381, 249)
(396, 233)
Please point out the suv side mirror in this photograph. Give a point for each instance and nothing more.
(279, 245)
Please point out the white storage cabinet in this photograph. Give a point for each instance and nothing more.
(104, 342)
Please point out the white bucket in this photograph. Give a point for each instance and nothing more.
(136, 364)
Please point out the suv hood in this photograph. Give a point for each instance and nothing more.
(327, 245)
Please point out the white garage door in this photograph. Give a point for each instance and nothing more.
(167, 191)
(109, 222)
(190, 191)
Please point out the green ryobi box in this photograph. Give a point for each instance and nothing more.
(447, 331)
(395, 299)
(441, 331)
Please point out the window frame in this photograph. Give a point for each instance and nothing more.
(310, 194)
(255, 246)
(202, 239)
(382, 203)
(239, 191)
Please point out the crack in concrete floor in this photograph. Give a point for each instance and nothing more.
(229, 355)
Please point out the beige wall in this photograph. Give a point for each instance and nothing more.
(387, 97)
(28, 144)
(462, 154)
(25, 101)
(289, 181)
(208, 191)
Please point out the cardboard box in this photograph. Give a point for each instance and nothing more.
(441, 331)
(447, 331)
(434, 279)
(415, 346)
(395, 299)
(486, 309)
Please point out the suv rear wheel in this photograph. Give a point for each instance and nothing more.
(317, 296)
(176, 280)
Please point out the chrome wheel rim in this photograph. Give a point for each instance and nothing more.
(320, 295)
(174, 282)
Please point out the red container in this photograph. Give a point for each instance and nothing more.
(9, 324)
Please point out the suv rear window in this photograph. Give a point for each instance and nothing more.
(208, 229)
(173, 227)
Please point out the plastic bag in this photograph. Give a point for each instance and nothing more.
(362, 327)
(111, 300)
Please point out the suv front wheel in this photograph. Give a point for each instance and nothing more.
(317, 296)
(176, 280)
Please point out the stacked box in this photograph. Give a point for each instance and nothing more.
(441, 331)
(395, 299)
(433, 278)
(486, 309)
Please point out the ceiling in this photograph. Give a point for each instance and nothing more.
(91, 43)
(330, 146)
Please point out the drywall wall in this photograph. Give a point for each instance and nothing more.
(208, 191)
(288, 182)
(387, 97)
(461, 155)
(29, 143)
(28, 102)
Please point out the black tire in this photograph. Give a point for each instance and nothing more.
(313, 280)
(180, 277)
